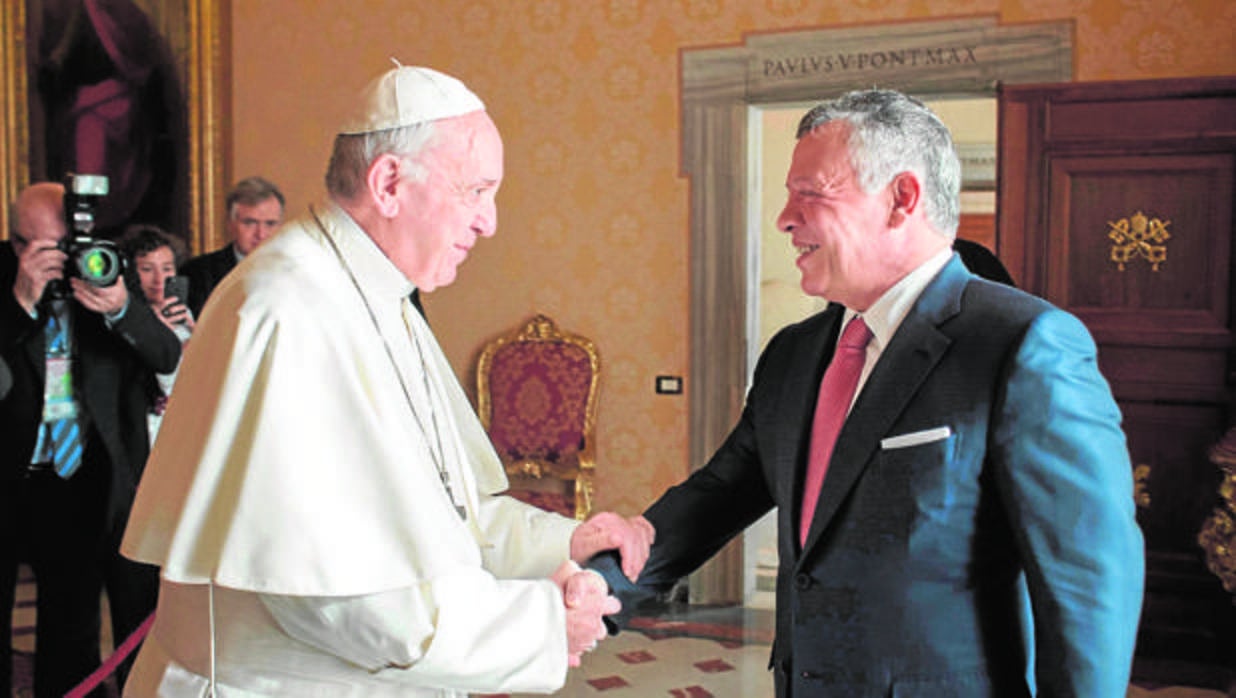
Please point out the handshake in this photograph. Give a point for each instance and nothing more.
(584, 592)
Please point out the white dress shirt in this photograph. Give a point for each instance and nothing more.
(886, 313)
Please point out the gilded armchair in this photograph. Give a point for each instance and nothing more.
(536, 395)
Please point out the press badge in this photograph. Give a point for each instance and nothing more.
(58, 390)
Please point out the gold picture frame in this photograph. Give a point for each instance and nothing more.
(194, 29)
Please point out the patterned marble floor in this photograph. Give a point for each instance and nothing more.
(715, 653)
(633, 664)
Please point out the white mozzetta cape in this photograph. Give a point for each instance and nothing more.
(290, 460)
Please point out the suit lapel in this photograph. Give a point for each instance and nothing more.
(904, 365)
(35, 349)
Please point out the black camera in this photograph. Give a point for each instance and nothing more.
(97, 262)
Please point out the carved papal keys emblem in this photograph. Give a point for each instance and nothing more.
(1139, 236)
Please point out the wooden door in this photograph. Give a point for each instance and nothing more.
(1115, 202)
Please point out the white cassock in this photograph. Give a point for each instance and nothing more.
(295, 499)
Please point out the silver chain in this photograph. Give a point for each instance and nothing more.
(437, 455)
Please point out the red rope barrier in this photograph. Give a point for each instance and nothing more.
(107, 667)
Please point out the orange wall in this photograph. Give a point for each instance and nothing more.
(593, 224)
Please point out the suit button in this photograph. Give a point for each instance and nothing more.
(803, 581)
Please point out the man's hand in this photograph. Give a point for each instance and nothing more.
(632, 538)
(108, 300)
(40, 262)
(586, 597)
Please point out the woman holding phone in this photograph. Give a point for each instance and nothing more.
(157, 255)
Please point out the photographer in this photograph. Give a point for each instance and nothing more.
(73, 425)
(157, 256)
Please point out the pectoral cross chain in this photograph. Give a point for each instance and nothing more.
(446, 483)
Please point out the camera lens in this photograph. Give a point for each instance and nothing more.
(97, 264)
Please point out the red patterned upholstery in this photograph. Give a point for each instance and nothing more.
(537, 398)
(557, 502)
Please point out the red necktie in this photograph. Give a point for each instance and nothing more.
(832, 405)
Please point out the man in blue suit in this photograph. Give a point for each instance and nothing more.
(974, 533)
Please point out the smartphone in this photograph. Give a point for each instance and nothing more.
(177, 286)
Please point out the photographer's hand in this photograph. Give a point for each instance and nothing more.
(109, 300)
(39, 263)
(172, 312)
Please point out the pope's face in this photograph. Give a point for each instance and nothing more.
(452, 204)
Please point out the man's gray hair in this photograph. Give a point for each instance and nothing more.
(354, 153)
(252, 191)
(894, 133)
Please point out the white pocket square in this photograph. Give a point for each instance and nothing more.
(916, 438)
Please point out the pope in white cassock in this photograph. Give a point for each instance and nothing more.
(322, 499)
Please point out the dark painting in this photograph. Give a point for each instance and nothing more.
(105, 98)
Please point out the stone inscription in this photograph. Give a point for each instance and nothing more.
(799, 66)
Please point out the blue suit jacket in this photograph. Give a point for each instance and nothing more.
(929, 566)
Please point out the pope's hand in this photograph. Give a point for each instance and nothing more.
(632, 538)
(587, 599)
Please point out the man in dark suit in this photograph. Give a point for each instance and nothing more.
(254, 212)
(972, 529)
(65, 517)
